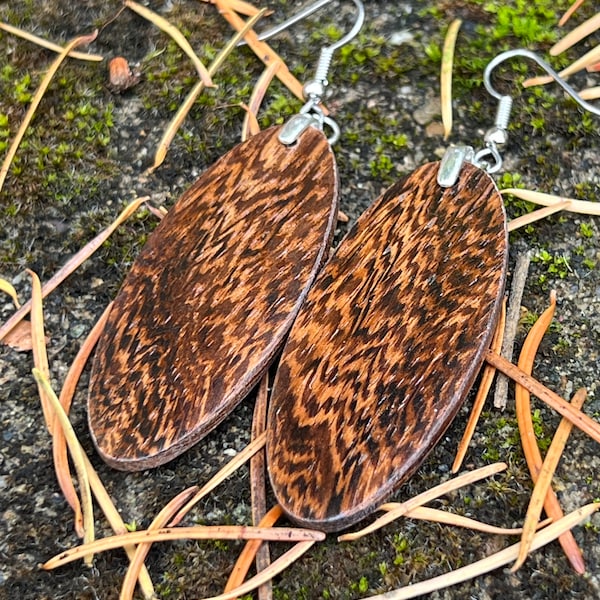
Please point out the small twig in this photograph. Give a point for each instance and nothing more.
(485, 384)
(200, 532)
(30, 37)
(577, 206)
(258, 485)
(161, 519)
(495, 561)
(576, 35)
(513, 315)
(78, 460)
(446, 76)
(397, 510)
(175, 35)
(37, 98)
(72, 264)
(529, 442)
(552, 399)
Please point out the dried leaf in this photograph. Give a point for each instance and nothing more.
(19, 338)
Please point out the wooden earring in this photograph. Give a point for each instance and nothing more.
(213, 293)
(390, 338)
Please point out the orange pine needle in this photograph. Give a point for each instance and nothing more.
(529, 442)
(542, 486)
(250, 126)
(169, 534)
(570, 12)
(40, 355)
(396, 510)
(244, 561)
(161, 519)
(73, 263)
(487, 378)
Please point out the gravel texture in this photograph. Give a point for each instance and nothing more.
(71, 182)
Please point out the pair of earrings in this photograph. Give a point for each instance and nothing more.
(383, 342)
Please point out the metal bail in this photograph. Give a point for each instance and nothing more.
(292, 130)
(451, 164)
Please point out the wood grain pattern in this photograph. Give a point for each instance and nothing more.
(211, 297)
(386, 346)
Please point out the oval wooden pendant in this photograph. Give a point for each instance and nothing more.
(386, 346)
(210, 298)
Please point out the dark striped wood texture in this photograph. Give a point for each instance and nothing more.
(211, 297)
(386, 346)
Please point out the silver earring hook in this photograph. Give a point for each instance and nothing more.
(489, 157)
(311, 113)
(498, 134)
(309, 10)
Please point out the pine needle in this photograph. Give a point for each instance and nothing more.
(537, 215)
(589, 58)
(169, 534)
(576, 206)
(495, 561)
(37, 98)
(282, 563)
(175, 35)
(7, 288)
(485, 384)
(570, 12)
(396, 510)
(40, 355)
(446, 76)
(72, 264)
(173, 127)
(30, 37)
(576, 35)
(552, 399)
(529, 443)
(59, 445)
(239, 459)
(250, 126)
(77, 455)
(161, 519)
(244, 561)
